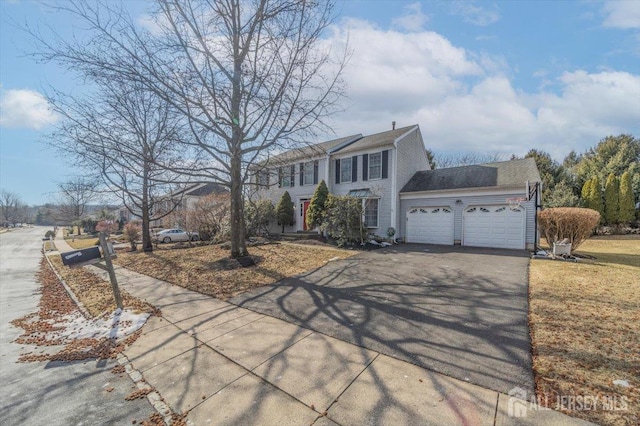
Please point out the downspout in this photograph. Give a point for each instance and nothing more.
(394, 184)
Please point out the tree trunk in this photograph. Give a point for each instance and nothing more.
(238, 243)
(147, 245)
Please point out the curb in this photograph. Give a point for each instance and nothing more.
(153, 397)
(70, 292)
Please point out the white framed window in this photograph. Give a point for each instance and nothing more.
(309, 170)
(371, 212)
(345, 170)
(375, 166)
(263, 178)
(285, 178)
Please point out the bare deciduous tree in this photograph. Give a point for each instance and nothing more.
(443, 161)
(128, 135)
(246, 76)
(75, 195)
(9, 203)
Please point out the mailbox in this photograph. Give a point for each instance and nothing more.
(81, 256)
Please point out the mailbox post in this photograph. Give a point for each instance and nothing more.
(112, 274)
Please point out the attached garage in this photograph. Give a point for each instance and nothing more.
(476, 208)
(496, 226)
(430, 225)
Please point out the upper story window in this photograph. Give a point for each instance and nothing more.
(263, 178)
(375, 165)
(286, 176)
(308, 173)
(345, 170)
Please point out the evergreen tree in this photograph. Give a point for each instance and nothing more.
(317, 206)
(611, 200)
(586, 194)
(626, 199)
(284, 211)
(596, 197)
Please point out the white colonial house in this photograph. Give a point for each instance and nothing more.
(489, 205)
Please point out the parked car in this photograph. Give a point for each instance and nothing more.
(175, 235)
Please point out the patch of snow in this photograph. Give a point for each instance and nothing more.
(623, 383)
(118, 324)
(385, 244)
(374, 242)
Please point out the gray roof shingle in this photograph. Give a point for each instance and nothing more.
(504, 173)
(311, 151)
(376, 140)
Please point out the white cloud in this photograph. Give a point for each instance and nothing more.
(412, 19)
(622, 14)
(474, 14)
(467, 101)
(25, 109)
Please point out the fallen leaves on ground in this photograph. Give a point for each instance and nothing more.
(585, 328)
(210, 270)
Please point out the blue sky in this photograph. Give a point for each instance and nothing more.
(481, 76)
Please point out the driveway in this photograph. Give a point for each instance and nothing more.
(455, 310)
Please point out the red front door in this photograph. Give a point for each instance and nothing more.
(305, 207)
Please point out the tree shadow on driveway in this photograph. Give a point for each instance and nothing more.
(458, 311)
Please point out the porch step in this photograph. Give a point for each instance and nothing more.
(300, 235)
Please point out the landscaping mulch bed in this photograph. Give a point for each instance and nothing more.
(210, 270)
(585, 329)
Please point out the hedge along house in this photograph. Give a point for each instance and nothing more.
(473, 205)
(372, 168)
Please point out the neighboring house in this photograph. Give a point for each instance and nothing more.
(488, 205)
(469, 205)
(372, 168)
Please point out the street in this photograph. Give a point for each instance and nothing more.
(50, 393)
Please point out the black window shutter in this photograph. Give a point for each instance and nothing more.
(268, 177)
(301, 174)
(365, 166)
(337, 171)
(315, 172)
(280, 174)
(354, 168)
(385, 164)
(293, 175)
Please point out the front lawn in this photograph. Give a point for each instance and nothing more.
(585, 329)
(209, 270)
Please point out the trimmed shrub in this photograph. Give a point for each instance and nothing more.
(284, 211)
(132, 233)
(317, 206)
(343, 220)
(576, 224)
(595, 199)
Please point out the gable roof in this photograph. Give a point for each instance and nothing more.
(376, 140)
(314, 150)
(202, 189)
(500, 174)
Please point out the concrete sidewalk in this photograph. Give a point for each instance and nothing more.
(228, 365)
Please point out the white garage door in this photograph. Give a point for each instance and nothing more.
(430, 225)
(494, 226)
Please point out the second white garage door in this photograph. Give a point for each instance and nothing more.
(494, 226)
(430, 225)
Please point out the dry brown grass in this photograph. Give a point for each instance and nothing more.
(94, 292)
(80, 243)
(585, 328)
(209, 270)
